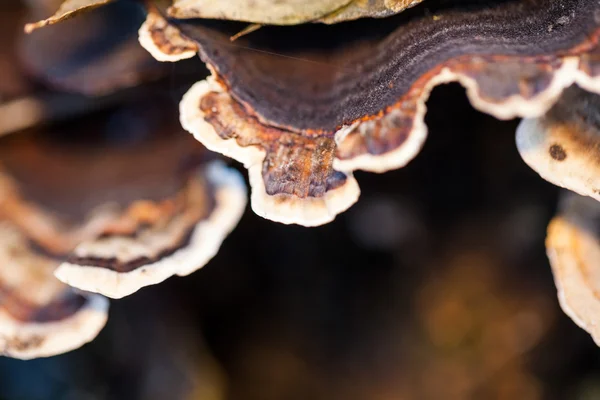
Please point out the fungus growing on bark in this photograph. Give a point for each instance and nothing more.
(562, 146)
(303, 107)
(573, 247)
(120, 217)
(39, 315)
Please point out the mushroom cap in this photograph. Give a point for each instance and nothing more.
(573, 248)
(118, 215)
(95, 54)
(68, 9)
(40, 316)
(164, 41)
(287, 12)
(303, 107)
(562, 146)
(118, 265)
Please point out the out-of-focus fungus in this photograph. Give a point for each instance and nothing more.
(573, 247)
(95, 54)
(68, 9)
(118, 219)
(562, 146)
(40, 316)
(287, 12)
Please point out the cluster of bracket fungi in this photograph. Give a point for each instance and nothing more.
(307, 94)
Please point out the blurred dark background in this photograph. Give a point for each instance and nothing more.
(435, 285)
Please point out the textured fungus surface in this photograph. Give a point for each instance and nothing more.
(573, 247)
(307, 105)
(40, 316)
(119, 219)
(562, 146)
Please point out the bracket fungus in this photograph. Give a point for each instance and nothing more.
(96, 53)
(562, 145)
(573, 248)
(287, 12)
(117, 219)
(303, 107)
(40, 316)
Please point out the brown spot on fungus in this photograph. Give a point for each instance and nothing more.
(557, 152)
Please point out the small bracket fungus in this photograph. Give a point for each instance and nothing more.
(164, 41)
(303, 107)
(119, 219)
(94, 54)
(562, 146)
(40, 316)
(573, 248)
(287, 12)
(117, 265)
(68, 9)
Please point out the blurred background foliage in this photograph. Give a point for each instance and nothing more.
(434, 286)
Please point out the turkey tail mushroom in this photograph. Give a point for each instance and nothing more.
(120, 217)
(39, 315)
(117, 265)
(563, 145)
(573, 247)
(303, 107)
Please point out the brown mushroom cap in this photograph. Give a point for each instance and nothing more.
(573, 247)
(562, 146)
(40, 316)
(303, 107)
(288, 197)
(119, 216)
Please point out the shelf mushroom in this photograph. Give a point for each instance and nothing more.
(287, 12)
(573, 248)
(303, 107)
(272, 12)
(563, 145)
(94, 54)
(39, 315)
(120, 217)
